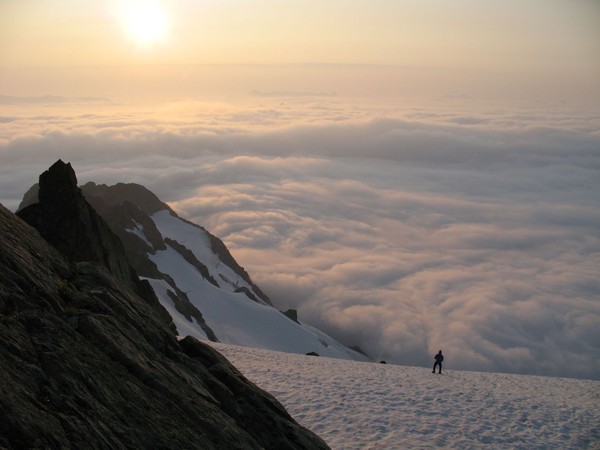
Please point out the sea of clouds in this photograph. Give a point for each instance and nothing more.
(403, 230)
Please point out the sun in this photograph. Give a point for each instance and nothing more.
(145, 21)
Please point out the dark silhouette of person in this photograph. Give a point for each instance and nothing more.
(438, 362)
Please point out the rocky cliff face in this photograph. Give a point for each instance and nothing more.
(85, 363)
(71, 225)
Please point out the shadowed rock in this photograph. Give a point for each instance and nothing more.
(71, 225)
(291, 314)
(88, 357)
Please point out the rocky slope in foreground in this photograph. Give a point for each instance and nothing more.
(90, 360)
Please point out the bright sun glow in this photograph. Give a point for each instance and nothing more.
(145, 21)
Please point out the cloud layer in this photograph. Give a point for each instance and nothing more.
(472, 231)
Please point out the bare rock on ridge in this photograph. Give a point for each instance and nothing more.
(71, 225)
(84, 363)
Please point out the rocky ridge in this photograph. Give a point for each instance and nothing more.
(190, 271)
(89, 359)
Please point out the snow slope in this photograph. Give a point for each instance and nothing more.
(230, 313)
(358, 405)
(196, 240)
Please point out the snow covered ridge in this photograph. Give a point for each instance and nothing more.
(226, 308)
(206, 292)
(353, 405)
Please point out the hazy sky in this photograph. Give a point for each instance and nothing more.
(522, 36)
(550, 47)
(409, 175)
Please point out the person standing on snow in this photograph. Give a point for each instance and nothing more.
(438, 362)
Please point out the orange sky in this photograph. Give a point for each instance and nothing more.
(555, 43)
(462, 33)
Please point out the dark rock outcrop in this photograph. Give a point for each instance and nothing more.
(188, 310)
(85, 363)
(291, 314)
(71, 225)
(192, 260)
(222, 252)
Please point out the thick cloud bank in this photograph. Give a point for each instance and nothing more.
(477, 233)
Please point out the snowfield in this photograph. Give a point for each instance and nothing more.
(359, 405)
(233, 316)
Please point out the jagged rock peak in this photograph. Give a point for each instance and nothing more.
(71, 225)
(58, 182)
